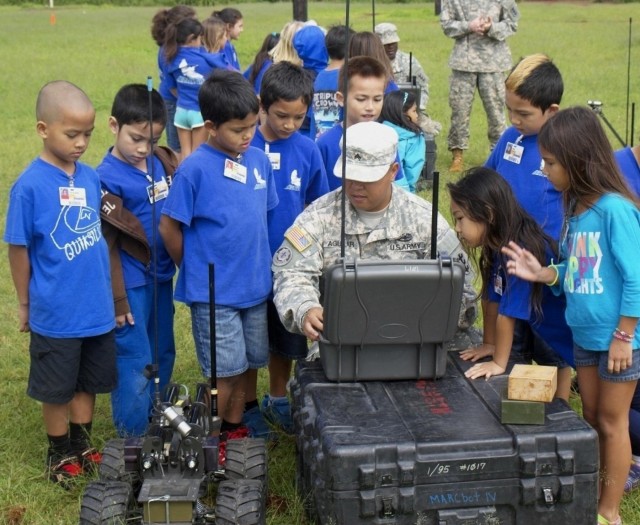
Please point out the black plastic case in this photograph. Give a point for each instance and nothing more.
(433, 452)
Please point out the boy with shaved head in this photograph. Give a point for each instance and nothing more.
(60, 268)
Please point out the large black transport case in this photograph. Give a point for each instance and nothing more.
(433, 452)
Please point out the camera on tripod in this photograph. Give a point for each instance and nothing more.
(596, 106)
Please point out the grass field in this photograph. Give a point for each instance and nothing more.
(103, 48)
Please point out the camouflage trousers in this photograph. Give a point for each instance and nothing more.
(462, 87)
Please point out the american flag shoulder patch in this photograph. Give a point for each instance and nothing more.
(299, 238)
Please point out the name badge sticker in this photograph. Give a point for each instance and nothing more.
(71, 196)
(274, 158)
(235, 171)
(161, 190)
(513, 152)
(497, 284)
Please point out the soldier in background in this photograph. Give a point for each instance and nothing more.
(382, 222)
(406, 68)
(480, 57)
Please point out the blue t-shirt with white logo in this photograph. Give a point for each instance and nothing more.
(57, 218)
(222, 204)
(299, 176)
(189, 69)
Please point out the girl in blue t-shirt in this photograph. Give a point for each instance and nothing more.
(189, 67)
(368, 44)
(400, 112)
(487, 216)
(232, 17)
(600, 276)
(261, 62)
(161, 20)
(214, 34)
(214, 38)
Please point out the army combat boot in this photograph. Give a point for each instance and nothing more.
(456, 164)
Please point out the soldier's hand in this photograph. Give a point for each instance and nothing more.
(312, 324)
(477, 25)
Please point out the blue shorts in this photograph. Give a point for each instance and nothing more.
(599, 358)
(60, 367)
(241, 338)
(188, 119)
(281, 341)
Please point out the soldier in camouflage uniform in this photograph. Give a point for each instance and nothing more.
(382, 221)
(480, 57)
(402, 69)
(405, 66)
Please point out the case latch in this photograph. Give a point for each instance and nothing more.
(548, 496)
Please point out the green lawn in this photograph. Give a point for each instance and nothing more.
(103, 48)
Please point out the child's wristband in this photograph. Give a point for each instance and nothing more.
(555, 281)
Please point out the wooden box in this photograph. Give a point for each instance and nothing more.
(533, 383)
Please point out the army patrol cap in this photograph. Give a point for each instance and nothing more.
(371, 149)
(388, 33)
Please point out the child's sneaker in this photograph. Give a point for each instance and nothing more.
(633, 478)
(64, 470)
(256, 424)
(239, 433)
(278, 412)
(90, 459)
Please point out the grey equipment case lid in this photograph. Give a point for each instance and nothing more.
(377, 302)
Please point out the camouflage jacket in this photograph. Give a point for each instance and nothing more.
(487, 53)
(312, 244)
(401, 70)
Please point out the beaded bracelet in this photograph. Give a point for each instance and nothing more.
(622, 335)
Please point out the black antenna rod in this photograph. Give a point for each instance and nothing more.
(434, 215)
(212, 341)
(345, 88)
(633, 120)
(373, 16)
(155, 367)
(628, 139)
(410, 79)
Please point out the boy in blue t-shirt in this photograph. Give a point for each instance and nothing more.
(60, 268)
(285, 94)
(216, 213)
(129, 173)
(366, 82)
(534, 89)
(326, 110)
